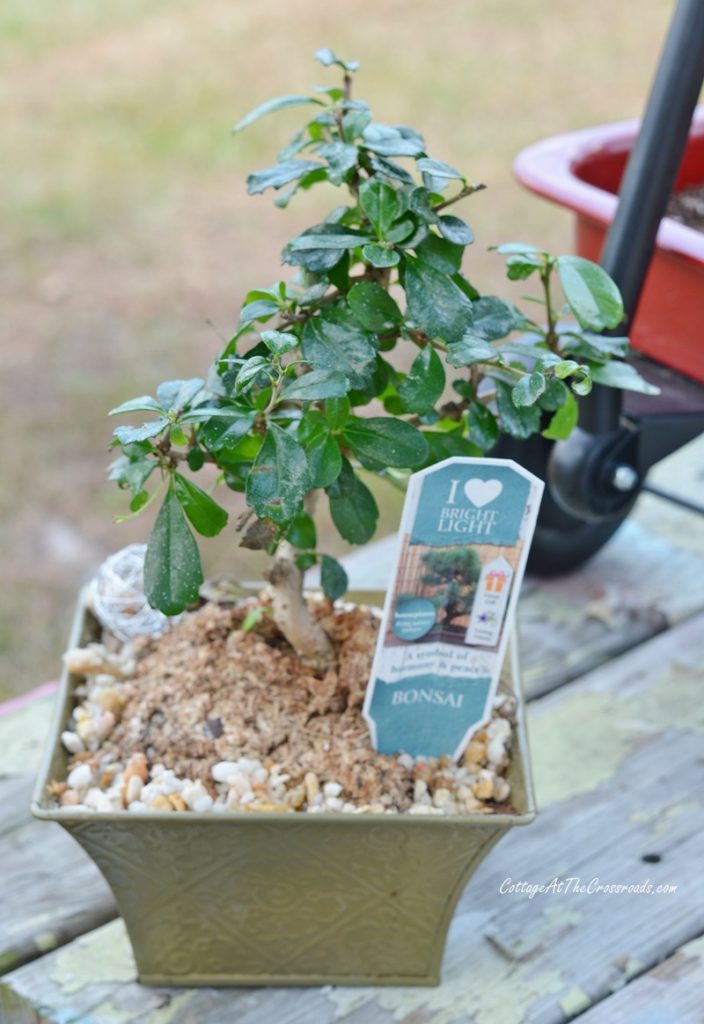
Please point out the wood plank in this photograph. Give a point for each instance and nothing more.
(52, 892)
(669, 994)
(619, 776)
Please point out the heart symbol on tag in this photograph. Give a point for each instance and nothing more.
(481, 492)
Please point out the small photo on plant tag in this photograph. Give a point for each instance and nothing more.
(465, 532)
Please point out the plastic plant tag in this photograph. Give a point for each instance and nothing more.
(465, 533)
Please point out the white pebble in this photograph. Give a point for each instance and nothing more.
(405, 760)
(203, 803)
(72, 742)
(498, 728)
(442, 798)
(137, 807)
(134, 789)
(496, 751)
(81, 777)
(247, 798)
(332, 789)
(420, 789)
(260, 775)
(248, 765)
(170, 783)
(223, 770)
(191, 792)
(239, 783)
(333, 803)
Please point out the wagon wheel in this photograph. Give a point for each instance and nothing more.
(561, 541)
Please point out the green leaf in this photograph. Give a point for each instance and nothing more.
(391, 170)
(554, 396)
(279, 478)
(483, 428)
(177, 394)
(622, 375)
(439, 253)
(455, 230)
(302, 533)
(337, 411)
(435, 303)
(333, 578)
(519, 422)
(205, 514)
(608, 346)
(280, 175)
(341, 158)
(518, 268)
(324, 459)
(564, 420)
(172, 569)
(381, 205)
(280, 103)
(352, 507)
(326, 57)
(354, 122)
(373, 307)
(438, 169)
(448, 444)
(401, 231)
(316, 384)
(328, 236)
(128, 435)
(425, 382)
(249, 372)
(565, 368)
(279, 342)
(470, 350)
(334, 340)
(528, 390)
(583, 386)
(392, 141)
(217, 434)
(139, 501)
(494, 318)
(388, 441)
(380, 256)
(132, 472)
(195, 459)
(260, 309)
(143, 404)
(518, 248)
(591, 294)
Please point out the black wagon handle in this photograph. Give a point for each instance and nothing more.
(648, 181)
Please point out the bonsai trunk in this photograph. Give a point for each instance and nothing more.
(292, 614)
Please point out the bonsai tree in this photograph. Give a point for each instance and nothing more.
(452, 574)
(282, 413)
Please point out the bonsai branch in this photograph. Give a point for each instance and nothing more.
(292, 614)
(468, 190)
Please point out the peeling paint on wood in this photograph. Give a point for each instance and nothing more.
(670, 993)
(103, 954)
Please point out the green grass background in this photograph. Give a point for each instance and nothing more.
(126, 227)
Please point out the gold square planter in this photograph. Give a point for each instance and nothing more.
(284, 899)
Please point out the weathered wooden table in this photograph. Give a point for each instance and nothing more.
(612, 662)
